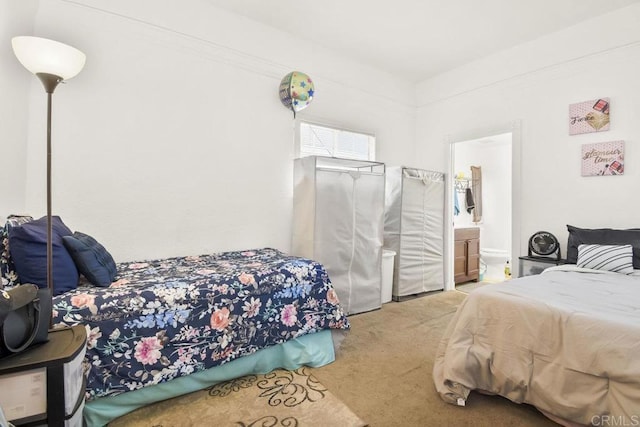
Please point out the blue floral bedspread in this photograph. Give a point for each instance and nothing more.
(168, 318)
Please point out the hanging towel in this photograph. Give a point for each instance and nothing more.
(456, 204)
(476, 185)
(468, 200)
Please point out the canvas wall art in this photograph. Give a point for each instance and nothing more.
(589, 116)
(603, 158)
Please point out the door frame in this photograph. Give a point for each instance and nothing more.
(515, 128)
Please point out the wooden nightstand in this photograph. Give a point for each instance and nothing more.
(529, 265)
(46, 384)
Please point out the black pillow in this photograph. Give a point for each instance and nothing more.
(602, 236)
(91, 258)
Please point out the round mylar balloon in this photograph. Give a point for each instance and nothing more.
(296, 91)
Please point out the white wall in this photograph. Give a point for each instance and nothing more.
(533, 84)
(173, 141)
(16, 18)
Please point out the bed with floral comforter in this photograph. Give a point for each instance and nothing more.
(169, 318)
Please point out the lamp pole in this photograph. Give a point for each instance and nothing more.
(50, 82)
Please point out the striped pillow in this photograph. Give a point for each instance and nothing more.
(616, 258)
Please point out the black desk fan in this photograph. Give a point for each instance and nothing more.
(543, 244)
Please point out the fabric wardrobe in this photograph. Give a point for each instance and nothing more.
(414, 229)
(338, 221)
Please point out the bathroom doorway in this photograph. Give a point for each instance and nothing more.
(482, 237)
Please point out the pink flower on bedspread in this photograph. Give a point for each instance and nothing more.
(223, 355)
(93, 335)
(138, 265)
(311, 320)
(85, 301)
(118, 283)
(332, 297)
(220, 319)
(248, 253)
(251, 308)
(148, 350)
(223, 289)
(288, 315)
(247, 279)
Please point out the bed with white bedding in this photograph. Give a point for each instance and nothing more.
(566, 341)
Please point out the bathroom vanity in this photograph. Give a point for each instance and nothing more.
(466, 254)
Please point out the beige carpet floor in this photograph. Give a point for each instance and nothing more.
(382, 376)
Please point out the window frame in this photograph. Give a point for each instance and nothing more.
(332, 126)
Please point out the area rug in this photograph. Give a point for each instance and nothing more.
(279, 398)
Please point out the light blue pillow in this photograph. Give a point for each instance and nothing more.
(616, 258)
(91, 258)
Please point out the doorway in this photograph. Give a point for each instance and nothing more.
(492, 214)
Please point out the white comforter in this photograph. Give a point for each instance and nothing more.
(566, 341)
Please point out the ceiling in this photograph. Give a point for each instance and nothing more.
(417, 39)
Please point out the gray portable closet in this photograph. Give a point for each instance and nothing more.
(338, 220)
(414, 229)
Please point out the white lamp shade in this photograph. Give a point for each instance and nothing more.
(40, 55)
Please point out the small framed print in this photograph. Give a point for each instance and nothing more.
(603, 158)
(589, 116)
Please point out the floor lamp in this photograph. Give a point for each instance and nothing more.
(52, 62)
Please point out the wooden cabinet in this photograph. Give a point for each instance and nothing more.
(467, 255)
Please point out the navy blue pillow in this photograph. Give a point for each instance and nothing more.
(91, 258)
(28, 247)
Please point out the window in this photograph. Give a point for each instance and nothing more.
(317, 140)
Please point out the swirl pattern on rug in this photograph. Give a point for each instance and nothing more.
(291, 388)
(223, 389)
